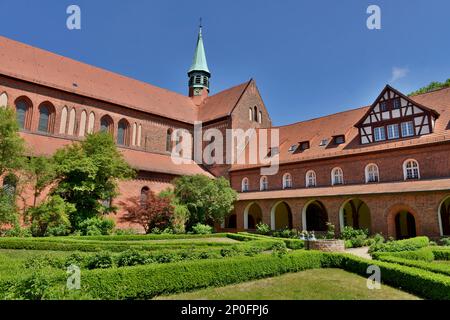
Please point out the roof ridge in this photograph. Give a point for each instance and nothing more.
(321, 117)
(429, 92)
(62, 57)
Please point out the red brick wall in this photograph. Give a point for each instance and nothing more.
(434, 162)
(424, 206)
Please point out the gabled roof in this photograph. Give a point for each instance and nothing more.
(43, 145)
(343, 123)
(389, 88)
(35, 65)
(221, 104)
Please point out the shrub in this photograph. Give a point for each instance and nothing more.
(145, 282)
(354, 238)
(441, 253)
(425, 265)
(125, 232)
(96, 226)
(330, 230)
(33, 287)
(286, 233)
(445, 241)
(101, 260)
(263, 228)
(279, 249)
(228, 252)
(424, 254)
(400, 245)
(17, 231)
(417, 281)
(153, 211)
(202, 229)
(75, 259)
(132, 258)
(51, 218)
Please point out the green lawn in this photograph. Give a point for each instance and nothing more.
(316, 284)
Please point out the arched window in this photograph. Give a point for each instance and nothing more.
(263, 183)
(250, 114)
(139, 136)
(63, 120)
(83, 121)
(72, 118)
(134, 135)
(3, 99)
(310, 179)
(46, 112)
(372, 174)
(169, 140)
(10, 184)
(411, 169)
(245, 185)
(91, 122)
(287, 181)
(106, 124)
(144, 195)
(123, 135)
(337, 176)
(255, 114)
(260, 117)
(24, 112)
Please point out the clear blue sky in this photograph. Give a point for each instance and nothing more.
(309, 58)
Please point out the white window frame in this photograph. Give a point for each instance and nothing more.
(334, 175)
(382, 134)
(263, 183)
(287, 181)
(245, 185)
(311, 179)
(406, 125)
(250, 114)
(406, 169)
(368, 173)
(391, 130)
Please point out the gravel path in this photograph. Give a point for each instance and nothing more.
(360, 252)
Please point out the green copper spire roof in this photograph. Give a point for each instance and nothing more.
(199, 62)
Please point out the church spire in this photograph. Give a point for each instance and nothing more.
(198, 72)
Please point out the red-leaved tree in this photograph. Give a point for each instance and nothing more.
(150, 211)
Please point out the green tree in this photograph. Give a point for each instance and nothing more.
(208, 200)
(41, 173)
(12, 146)
(51, 218)
(12, 149)
(435, 85)
(88, 173)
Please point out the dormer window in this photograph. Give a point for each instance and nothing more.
(323, 142)
(293, 148)
(304, 145)
(340, 139)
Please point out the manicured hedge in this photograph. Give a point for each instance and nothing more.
(140, 237)
(433, 267)
(93, 245)
(441, 253)
(401, 245)
(421, 282)
(424, 254)
(290, 243)
(145, 282)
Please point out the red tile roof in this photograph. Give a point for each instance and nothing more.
(38, 66)
(344, 123)
(43, 145)
(376, 188)
(222, 103)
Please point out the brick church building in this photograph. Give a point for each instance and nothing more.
(385, 167)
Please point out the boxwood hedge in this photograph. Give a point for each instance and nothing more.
(400, 245)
